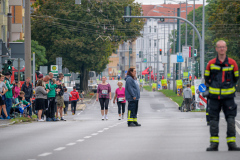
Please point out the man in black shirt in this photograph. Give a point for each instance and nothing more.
(59, 97)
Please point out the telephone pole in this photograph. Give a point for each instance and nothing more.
(27, 40)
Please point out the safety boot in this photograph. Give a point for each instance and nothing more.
(137, 124)
(213, 147)
(232, 146)
(131, 124)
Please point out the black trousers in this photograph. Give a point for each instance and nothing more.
(121, 106)
(104, 103)
(229, 108)
(187, 103)
(73, 106)
(66, 103)
(132, 111)
(207, 112)
(50, 112)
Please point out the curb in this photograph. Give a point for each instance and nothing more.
(174, 102)
(2, 125)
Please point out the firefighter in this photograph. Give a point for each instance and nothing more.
(221, 75)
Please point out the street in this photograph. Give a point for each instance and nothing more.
(166, 133)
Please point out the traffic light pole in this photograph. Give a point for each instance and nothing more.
(158, 52)
(27, 40)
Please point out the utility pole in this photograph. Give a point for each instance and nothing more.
(193, 43)
(174, 52)
(186, 59)
(158, 52)
(9, 28)
(203, 41)
(27, 40)
(180, 64)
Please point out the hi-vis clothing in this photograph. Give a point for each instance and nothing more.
(222, 78)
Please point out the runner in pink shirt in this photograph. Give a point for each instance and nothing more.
(120, 95)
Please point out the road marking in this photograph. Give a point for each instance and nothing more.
(59, 149)
(88, 137)
(94, 134)
(238, 121)
(70, 144)
(80, 140)
(31, 159)
(44, 154)
(94, 103)
(237, 129)
(78, 114)
(106, 128)
(100, 131)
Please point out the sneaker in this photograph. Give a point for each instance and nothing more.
(123, 116)
(49, 119)
(62, 119)
(8, 117)
(103, 118)
(40, 120)
(106, 117)
(119, 118)
(57, 119)
(54, 119)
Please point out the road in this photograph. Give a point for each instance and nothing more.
(165, 134)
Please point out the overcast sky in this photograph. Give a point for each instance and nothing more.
(167, 1)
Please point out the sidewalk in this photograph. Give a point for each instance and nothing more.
(5, 122)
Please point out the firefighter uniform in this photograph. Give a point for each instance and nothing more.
(222, 78)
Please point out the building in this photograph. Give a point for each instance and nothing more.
(157, 31)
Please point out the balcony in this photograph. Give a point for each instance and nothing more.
(15, 2)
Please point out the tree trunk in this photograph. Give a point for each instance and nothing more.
(84, 78)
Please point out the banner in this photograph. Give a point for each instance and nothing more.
(164, 83)
(193, 90)
(179, 87)
(154, 86)
(185, 75)
(169, 75)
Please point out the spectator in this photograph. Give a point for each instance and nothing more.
(8, 94)
(46, 81)
(27, 88)
(40, 77)
(81, 95)
(41, 95)
(66, 96)
(3, 90)
(187, 96)
(21, 102)
(51, 98)
(16, 90)
(59, 97)
(74, 99)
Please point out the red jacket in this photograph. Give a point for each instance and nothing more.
(75, 95)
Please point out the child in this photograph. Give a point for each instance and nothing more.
(20, 102)
(66, 96)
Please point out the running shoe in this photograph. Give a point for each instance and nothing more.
(72, 113)
(57, 119)
(103, 118)
(106, 117)
(119, 118)
(62, 119)
(40, 120)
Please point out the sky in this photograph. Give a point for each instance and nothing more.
(168, 1)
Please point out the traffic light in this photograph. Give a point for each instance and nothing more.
(195, 52)
(127, 12)
(160, 51)
(8, 67)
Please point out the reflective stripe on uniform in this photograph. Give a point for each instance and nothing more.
(214, 67)
(236, 73)
(129, 119)
(134, 119)
(207, 113)
(214, 139)
(214, 90)
(231, 139)
(207, 73)
(228, 91)
(230, 68)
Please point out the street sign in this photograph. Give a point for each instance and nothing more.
(186, 51)
(202, 87)
(179, 57)
(54, 68)
(145, 60)
(125, 72)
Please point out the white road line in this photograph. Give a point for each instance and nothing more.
(70, 144)
(78, 114)
(88, 137)
(238, 121)
(94, 134)
(59, 149)
(100, 131)
(44, 154)
(106, 128)
(237, 129)
(80, 140)
(31, 159)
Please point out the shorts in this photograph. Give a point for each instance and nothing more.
(2, 102)
(60, 101)
(40, 104)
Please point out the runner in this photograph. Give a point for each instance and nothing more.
(121, 102)
(104, 94)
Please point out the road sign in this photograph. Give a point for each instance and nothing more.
(186, 51)
(125, 72)
(54, 68)
(202, 87)
(179, 57)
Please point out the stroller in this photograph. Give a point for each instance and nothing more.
(18, 110)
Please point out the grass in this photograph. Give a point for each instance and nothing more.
(21, 119)
(173, 96)
(148, 88)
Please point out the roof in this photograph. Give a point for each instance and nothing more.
(148, 10)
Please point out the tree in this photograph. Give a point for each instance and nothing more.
(40, 53)
(84, 35)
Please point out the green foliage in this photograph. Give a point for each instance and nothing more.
(40, 53)
(147, 87)
(172, 95)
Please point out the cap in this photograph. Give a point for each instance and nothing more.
(40, 76)
(7, 74)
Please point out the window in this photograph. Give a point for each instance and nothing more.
(155, 43)
(150, 28)
(155, 29)
(149, 43)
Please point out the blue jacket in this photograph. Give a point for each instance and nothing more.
(131, 89)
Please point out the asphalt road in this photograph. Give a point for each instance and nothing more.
(165, 134)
